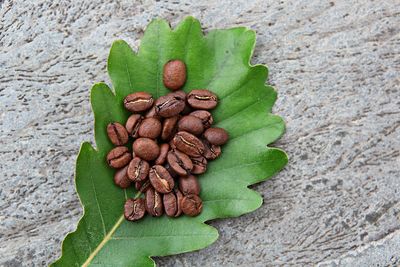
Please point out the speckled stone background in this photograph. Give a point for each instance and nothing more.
(335, 65)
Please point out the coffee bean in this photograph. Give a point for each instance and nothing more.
(188, 144)
(169, 105)
(163, 154)
(179, 162)
(161, 179)
(138, 169)
(154, 203)
(174, 74)
(216, 136)
(142, 186)
(199, 165)
(202, 99)
(205, 117)
(138, 102)
(117, 134)
(169, 127)
(132, 125)
(191, 124)
(121, 178)
(189, 185)
(146, 149)
(191, 205)
(150, 128)
(172, 205)
(151, 113)
(211, 152)
(134, 209)
(118, 157)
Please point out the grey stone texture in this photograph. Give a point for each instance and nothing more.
(335, 65)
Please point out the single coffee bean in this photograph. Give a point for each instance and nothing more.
(121, 178)
(172, 204)
(216, 136)
(189, 185)
(211, 152)
(191, 205)
(146, 149)
(142, 186)
(138, 169)
(179, 162)
(132, 125)
(154, 203)
(138, 102)
(174, 74)
(171, 171)
(161, 179)
(188, 144)
(202, 99)
(118, 157)
(169, 105)
(191, 124)
(205, 117)
(117, 134)
(134, 209)
(163, 154)
(169, 127)
(150, 128)
(179, 197)
(151, 113)
(199, 165)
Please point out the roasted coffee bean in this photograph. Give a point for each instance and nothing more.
(121, 178)
(154, 203)
(163, 154)
(118, 157)
(189, 185)
(150, 128)
(151, 113)
(146, 149)
(191, 124)
(199, 165)
(169, 105)
(117, 134)
(134, 209)
(169, 127)
(191, 205)
(161, 179)
(216, 136)
(188, 144)
(179, 162)
(205, 117)
(138, 169)
(174, 74)
(211, 152)
(172, 205)
(132, 125)
(142, 186)
(202, 99)
(138, 102)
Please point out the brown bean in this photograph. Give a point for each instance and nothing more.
(174, 74)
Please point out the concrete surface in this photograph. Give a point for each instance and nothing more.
(336, 68)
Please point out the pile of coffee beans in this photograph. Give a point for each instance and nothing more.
(173, 139)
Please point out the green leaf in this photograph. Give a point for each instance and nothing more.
(218, 61)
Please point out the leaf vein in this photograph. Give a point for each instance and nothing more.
(98, 206)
